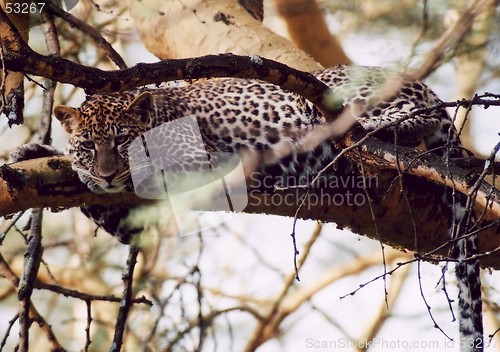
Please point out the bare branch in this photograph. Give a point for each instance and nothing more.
(451, 38)
(315, 40)
(91, 31)
(398, 279)
(50, 182)
(33, 258)
(126, 301)
(20, 57)
(268, 325)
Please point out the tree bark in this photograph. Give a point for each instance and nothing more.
(189, 28)
(309, 31)
(413, 217)
(13, 90)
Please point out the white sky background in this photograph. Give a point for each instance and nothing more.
(269, 236)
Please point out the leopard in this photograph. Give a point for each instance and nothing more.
(237, 115)
(241, 114)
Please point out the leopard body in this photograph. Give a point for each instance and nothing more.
(238, 115)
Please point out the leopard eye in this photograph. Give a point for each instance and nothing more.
(121, 139)
(88, 145)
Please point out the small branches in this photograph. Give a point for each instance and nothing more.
(427, 306)
(270, 322)
(111, 53)
(29, 313)
(27, 184)
(88, 340)
(189, 315)
(450, 40)
(33, 257)
(396, 283)
(20, 57)
(126, 301)
(7, 332)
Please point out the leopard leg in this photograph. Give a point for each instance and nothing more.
(114, 220)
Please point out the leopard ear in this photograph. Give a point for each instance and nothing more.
(69, 117)
(141, 107)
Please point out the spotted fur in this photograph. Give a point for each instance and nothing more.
(467, 272)
(236, 115)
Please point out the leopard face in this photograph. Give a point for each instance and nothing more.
(100, 132)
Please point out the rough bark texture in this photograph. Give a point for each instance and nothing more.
(179, 29)
(254, 8)
(94, 80)
(195, 33)
(47, 182)
(13, 89)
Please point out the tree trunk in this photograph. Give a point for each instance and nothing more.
(309, 31)
(189, 28)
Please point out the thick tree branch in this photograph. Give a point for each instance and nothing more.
(20, 57)
(315, 40)
(192, 28)
(50, 182)
(12, 83)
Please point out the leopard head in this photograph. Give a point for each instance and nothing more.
(101, 130)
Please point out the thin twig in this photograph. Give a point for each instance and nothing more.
(442, 280)
(274, 317)
(7, 332)
(33, 257)
(423, 30)
(451, 38)
(11, 224)
(86, 296)
(396, 283)
(377, 233)
(422, 294)
(110, 52)
(87, 327)
(126, 303)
